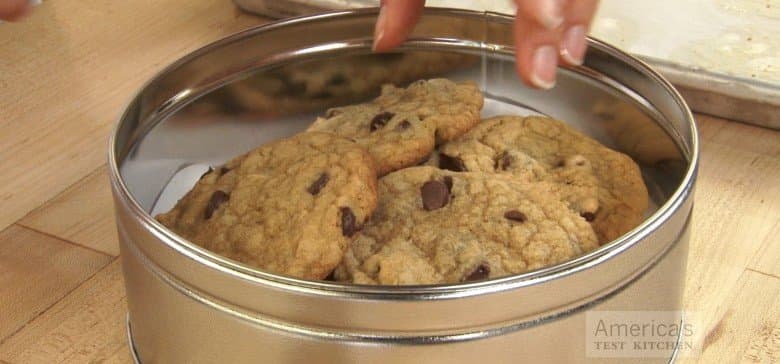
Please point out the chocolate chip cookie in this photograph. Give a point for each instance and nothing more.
(402, 126)
(288, 207)
(435, 226)
(602, 185)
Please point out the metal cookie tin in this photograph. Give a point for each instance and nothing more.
(187, 305)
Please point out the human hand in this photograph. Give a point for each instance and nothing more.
(547, 32)
(11, 10)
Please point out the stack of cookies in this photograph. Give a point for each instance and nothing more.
(413, 188)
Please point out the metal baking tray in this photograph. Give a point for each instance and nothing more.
(719, 94)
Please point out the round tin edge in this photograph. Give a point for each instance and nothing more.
(606, 252)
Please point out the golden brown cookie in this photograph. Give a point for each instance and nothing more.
(603, 185)
(402, 126)
(288, 207)
(435, 226)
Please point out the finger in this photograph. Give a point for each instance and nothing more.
(536, 52)
(396, 20)
(548, 14)
(578, 19)
(12, 9)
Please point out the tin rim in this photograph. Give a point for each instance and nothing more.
(425, 292)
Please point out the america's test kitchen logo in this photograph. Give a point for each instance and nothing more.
(640, 334)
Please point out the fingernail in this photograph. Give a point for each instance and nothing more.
(379, 30)
(34, 2)
(573, 45)
(545, 63)
(551, 13)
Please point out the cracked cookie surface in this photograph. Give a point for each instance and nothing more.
(288, 207)
(603, 185)
(435, 226)
(403, 125)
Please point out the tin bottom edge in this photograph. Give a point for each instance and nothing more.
(130, 342)
(137, 360)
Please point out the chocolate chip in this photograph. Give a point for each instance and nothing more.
(448, 183)
(317, 185)
(482, 272)
(380, 120)
(224, 170)
(331, 277)
(435, 195)
(336, 80)
(515, 215)
(332, 112)
(503, 162)
(451, 163)
(348, 223)
(217, 199)
(403, 125)
(588, 216)
(206, 173)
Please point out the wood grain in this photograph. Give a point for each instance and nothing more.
(120, 356)
(734, 243)
(65, 74)
(741, 332)
(767, 258)
(748, 138)
(82, 214)
(737, 204)
(84, 327)
(67, 71)
(36, 271)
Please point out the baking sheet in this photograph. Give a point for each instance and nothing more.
(723, 55)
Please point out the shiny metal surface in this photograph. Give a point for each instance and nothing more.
(131, 344)
(189, 305)
(549, 341)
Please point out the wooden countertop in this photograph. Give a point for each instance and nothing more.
(65, 74)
